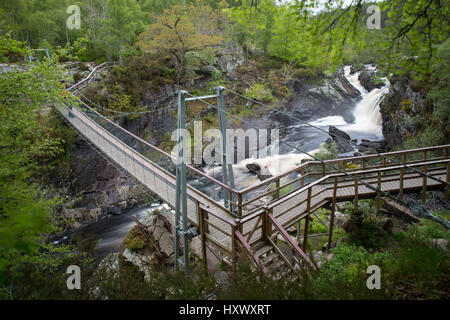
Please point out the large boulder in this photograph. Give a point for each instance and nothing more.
(253, 168)
(373, 146)
(262, 173)
(342, 139)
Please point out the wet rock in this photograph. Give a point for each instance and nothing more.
(340, 219)
(374, 146)
(110, 267)
(166, 244)
(253, 168)
(262, 173)
(139, 261)
(441, 244)
(229, 59)
(341, 144)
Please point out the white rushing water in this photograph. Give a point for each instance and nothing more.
(367, 125)
(367, 111)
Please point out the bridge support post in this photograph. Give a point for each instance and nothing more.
(227, 166)
(181, 228)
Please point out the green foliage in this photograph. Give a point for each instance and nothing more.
(327, 151)
(12, 50)
(430, 136)
(317, 227)
(344, 276)
(180, 30)
(440, 94)
(128, 283)
(260, 92)
(27, 149)
(365, 227)
(308, 74)
(135, 240)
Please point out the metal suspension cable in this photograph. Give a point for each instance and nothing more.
(336, 136)
(368, 185)
(157, 149)
(122, 113)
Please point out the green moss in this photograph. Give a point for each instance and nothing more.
(135, 241)
(260, 92)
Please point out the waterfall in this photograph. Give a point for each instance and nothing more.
(367, 125)
(367, 111)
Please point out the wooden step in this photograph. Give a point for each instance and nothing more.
(270, 259)
(260, 252)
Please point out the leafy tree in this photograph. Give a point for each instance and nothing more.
(440, 94)
(179, 31)
(123, 21)
(26, 148)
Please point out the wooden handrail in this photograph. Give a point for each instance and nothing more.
(353, 173)
(366, 157)
(224, 219)
(249, 251)
(291, 242)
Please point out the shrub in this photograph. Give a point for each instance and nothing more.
(260, 92)
(327, 151)
(308, 74)
(135, 241)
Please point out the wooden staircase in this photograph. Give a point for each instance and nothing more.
(277, 255)
(274, 261)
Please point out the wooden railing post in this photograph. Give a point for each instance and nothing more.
(378, 191)
(239, 204)
(363, 167)
(424, 179)
(234, 249)
(305, 232)
(230, 196)
(277, 186)
(266, 228)
(202, 224)
(333, 210)
(308, 208)
(401, 180)
(424, 185)
(302, 174)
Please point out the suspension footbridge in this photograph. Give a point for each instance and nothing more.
(252, 220)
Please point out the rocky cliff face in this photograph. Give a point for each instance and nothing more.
(333, 97)
(404, 110)
(96, 188)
